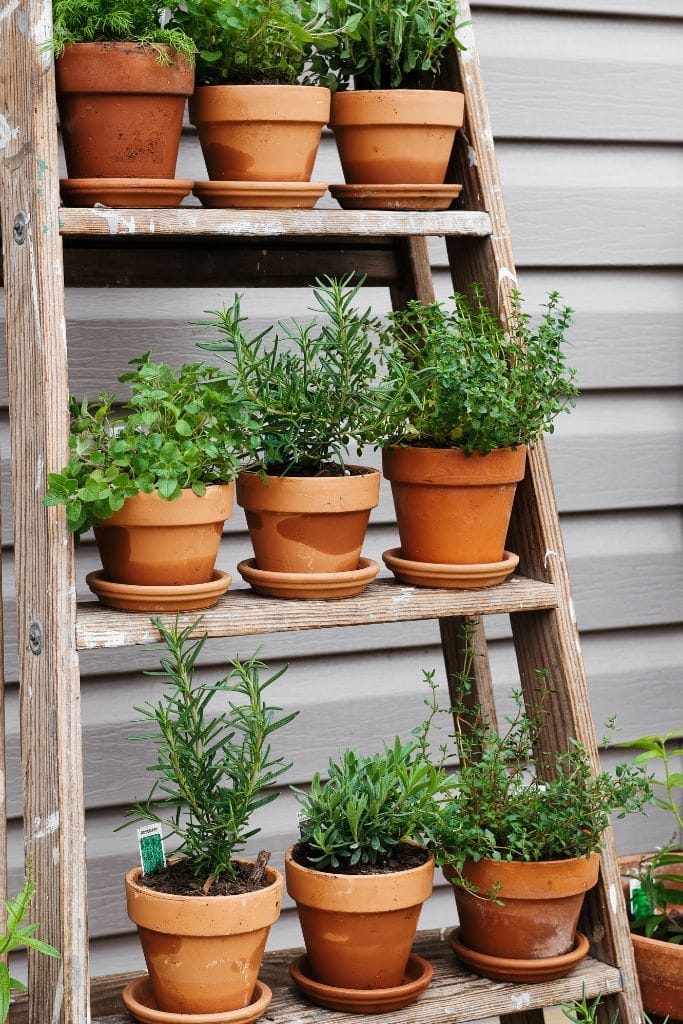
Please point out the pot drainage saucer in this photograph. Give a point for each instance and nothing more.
(526, 972)
(128, 193)
(140, 1002)
(395, 197)
(449, 577)
(130, 598)
(260, 195)
(309, 586)
(418, 975)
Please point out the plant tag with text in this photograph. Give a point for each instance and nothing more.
(151, 846)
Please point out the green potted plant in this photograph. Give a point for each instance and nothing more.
(19, 933)
(360, 873)
(122, 82)
(314, 392)
(520, 840)
(656, 899)
(155, 483)
(203, 918)
(472, 394)
(256, 121)
(394, 128)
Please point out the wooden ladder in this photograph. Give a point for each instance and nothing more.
(43, 245)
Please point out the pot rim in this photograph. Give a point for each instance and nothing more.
(452, 467)
(190, 509)
(428, 108)
(553, 879)
(303, 494)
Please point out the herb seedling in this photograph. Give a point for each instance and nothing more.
(140, 21)
(19, 933)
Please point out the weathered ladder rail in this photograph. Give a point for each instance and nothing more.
(49, 633)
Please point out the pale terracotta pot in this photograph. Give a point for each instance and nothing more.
(121, 111)
(395, 136)
(151, 542)
(260, 132)
(541, 905)
(453, 508)
(203, 954)
(358, 929)
(308, 524)
(659, 966)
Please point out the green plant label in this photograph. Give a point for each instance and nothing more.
(639, 904)
(151, 846)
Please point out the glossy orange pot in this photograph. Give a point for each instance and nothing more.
(151, 542)
(308, 524)
(358, 929)
(121, 111)
(453, 508)
(541, 905)
(260, 132)
(203, 954)
(659, 966)
(395, 136)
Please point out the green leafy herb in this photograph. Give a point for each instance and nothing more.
(214, 762)
(19, 933)
(140, 21)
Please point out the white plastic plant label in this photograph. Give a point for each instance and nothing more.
(151, 846)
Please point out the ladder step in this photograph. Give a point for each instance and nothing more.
(243, 613)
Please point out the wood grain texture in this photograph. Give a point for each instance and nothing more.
(36, 346)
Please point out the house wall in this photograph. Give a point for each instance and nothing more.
(585, 106)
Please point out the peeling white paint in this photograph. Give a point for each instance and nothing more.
(549, 553)
(115, 221)
(59, 996)
(471, 156)
(56, 857)
(9, 9)
(487, 137)
(46, 827)
(42, 34)
(7, 132)
(40, 466)
(612, 896)
(520, 1000)
(572, 613)
(504, 274)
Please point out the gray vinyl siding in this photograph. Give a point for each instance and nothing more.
(585, 105)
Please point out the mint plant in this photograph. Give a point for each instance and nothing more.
(214, 761)
(140, 21)
(19, 933)
(464, 381)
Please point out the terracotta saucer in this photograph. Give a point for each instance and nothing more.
(417, 977)
(309, 586)
(395, 197)
(449, 577)
(525, 972)
(260, 195)
(130, 193)
(129, 598)
(139, 1000)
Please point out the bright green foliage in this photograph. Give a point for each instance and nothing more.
(182, 429)
(314, 385)
(387, 43)
(471, 384)
(86, 21)
(585, 1011)
(252, 41)
(214, 762)
(19, 934)
(369, 805)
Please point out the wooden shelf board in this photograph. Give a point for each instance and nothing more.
(454, 995)
(190, 221)
(243, 613)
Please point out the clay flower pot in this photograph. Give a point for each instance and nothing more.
(308, 524)
(659, 966)
(358, 929)
(453, 508)
(395, 136)
(151, 542)
(121, 111)
(203, 954)
(541, 905)
(260, 132)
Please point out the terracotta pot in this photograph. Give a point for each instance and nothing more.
(542, 901)
(260, 132)
(308, 524)
(121, 111)
(358, 929)
(660, 975)
(395, 136)
(203, 954)
(453, 508)
(151, 542)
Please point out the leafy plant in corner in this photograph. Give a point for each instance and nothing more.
(182, 429)
(139, 21)
(313, 386)
(389, 44)
(464, 381)
(19, 933)
(214, 765)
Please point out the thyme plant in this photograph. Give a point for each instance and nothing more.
(19, 933)
(140, 21)
(214, 762)
(471, 383)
